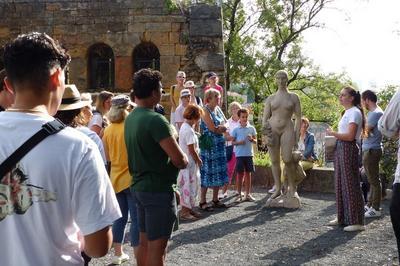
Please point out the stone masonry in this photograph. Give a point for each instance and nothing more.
(189, 40)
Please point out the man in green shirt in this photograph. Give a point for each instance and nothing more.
(154, 159)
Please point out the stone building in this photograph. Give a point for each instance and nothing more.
(110, 40)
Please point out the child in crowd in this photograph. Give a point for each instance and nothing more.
(189, 178)
(232, 123)
(243, 138)
(185, 100)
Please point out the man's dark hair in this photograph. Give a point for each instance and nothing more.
(369, 95)
(30, 57)
(145, 81)
(2, 76)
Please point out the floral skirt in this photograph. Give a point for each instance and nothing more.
(189, 185)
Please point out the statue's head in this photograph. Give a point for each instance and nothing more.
(281, 78)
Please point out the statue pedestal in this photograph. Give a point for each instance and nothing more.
(284, 201)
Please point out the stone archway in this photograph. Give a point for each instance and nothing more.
(145, 55)
(101, 69)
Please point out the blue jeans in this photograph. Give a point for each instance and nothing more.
(127, 204)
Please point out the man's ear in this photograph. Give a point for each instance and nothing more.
(56, 78)
(8, 85)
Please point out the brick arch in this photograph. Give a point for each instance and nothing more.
(100, 67)
(145, 55)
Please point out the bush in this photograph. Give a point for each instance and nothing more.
(261, 158)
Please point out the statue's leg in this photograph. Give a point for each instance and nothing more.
(287, 140)
(274, 154)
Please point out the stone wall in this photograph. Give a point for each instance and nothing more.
(182, 40)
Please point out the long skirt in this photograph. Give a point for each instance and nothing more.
(189, 185)
(349, 201)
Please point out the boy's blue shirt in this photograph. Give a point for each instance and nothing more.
(240, 133)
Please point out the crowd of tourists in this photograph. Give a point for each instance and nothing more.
(73, 186)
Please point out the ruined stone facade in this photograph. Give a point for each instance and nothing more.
(110, 40)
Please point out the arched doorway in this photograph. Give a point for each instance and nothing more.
(101, 73)
(146, 55)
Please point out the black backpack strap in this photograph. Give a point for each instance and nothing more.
(48, 129)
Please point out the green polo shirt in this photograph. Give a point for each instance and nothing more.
(150, 166)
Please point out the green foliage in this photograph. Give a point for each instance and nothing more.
(261, 158)
(171, 5)
(389, 159)
(235, 99)
(268, 38)
(258, 109)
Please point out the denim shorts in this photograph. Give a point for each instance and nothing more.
(245, 164)
(157, 213)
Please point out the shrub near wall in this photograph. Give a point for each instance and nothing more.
(263, 173)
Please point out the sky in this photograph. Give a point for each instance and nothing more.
(361, 37)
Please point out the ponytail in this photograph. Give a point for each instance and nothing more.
(357, 103)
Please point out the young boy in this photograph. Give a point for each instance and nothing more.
(243, 138)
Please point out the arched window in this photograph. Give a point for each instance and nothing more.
(100, 67)
(146, 55)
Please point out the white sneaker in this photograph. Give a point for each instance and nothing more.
(366, 208)
(333, 222)
(272, 190)
(355, 227)
(118, 260)
(372, 213)
(223, 196)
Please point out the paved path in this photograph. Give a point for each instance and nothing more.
(250, 234)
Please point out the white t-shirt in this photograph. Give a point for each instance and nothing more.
(179, 114)
(231, 125)
(97, 140)
(351, 115)
(97, 119)
(187, 136)
(65, 190)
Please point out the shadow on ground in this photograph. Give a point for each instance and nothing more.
(220, 229)
(313, 249)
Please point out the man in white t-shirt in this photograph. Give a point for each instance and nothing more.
(65, 201)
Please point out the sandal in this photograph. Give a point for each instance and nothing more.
(219, 204)
(204, 207)
(187, 217)
(195, 214)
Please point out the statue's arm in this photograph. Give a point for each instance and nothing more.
(297, 114)
(267, 113)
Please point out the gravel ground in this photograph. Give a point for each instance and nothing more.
(250, 234)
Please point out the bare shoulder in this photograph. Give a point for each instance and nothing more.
(294, 96)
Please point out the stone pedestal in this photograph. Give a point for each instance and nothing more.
(284, 201)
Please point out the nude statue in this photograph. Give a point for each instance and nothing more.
(281, 134)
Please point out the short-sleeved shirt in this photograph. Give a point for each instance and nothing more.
(241, 133)
(179, 114)
(187, 136)
(64, 189)
(351, 115)
(114, 141)
(148, 162)
(374, 139)
(231, 125)
(217, 87)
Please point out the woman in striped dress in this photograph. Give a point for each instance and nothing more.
(349, 201)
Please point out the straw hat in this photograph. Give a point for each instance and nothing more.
(71, 99)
